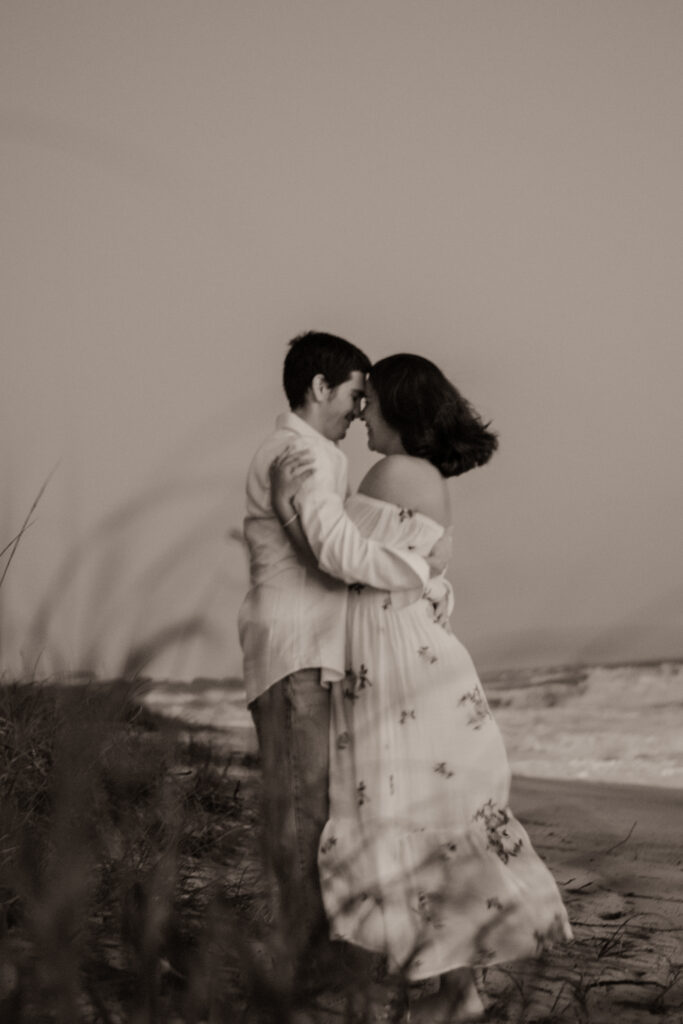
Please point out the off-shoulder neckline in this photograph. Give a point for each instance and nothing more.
(399, 508)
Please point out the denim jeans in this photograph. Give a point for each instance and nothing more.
(292, 723)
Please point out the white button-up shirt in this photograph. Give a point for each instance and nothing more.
(294, 616)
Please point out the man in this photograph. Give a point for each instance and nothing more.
(292, 622)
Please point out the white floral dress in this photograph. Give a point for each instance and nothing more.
(421, 859)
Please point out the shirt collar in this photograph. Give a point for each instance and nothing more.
(290, 421)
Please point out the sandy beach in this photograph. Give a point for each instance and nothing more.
(617, 852)
(615, 847)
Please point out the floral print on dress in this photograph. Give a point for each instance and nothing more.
(479, 709)
(422, 784)
(405, 513)
(355, 682)
(356, 588)
(439, 614)
(363, 680)
(495, 819)
(328, 845)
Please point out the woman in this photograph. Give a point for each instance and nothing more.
(421, 859)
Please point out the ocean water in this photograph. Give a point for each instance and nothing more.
(610, 723)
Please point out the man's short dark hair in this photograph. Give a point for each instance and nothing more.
(315, 352)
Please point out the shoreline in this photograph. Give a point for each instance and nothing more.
(617, 724)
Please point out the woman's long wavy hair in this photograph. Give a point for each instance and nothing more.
(433, 419)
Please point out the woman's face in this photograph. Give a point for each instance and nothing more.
(381, 437)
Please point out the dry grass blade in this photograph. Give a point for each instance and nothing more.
(141, 655)
(14, 544)
(124, 587)
(17, 538)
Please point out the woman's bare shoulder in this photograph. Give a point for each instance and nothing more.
(409, 482)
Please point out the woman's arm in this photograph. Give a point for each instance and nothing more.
(291, 524)
(414, 483)
(287, 473)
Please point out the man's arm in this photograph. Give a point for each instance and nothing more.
(339, 547)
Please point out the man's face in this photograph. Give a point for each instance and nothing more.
(342, 406)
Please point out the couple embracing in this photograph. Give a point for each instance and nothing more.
(385, 776)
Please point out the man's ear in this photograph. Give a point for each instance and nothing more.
(320, 389)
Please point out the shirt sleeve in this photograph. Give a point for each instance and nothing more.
(341, 549)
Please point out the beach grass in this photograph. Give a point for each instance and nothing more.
(133, 889)
(120, 855)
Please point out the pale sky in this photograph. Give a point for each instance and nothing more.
(494, 185)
